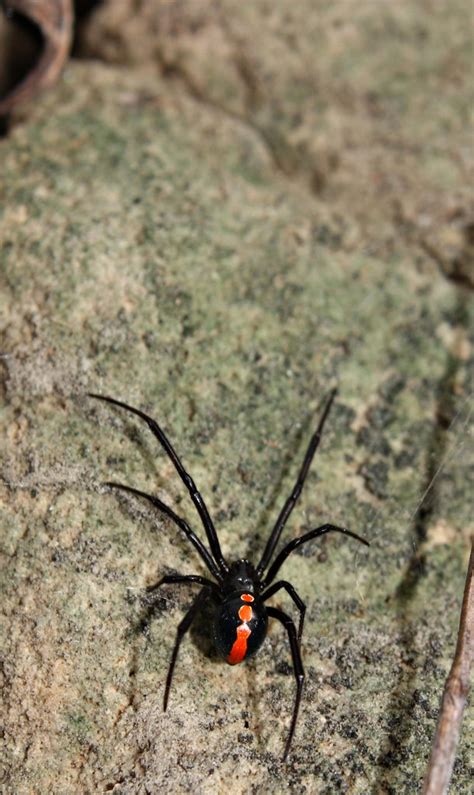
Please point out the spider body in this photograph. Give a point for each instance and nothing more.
(238, 590)
(241, 620)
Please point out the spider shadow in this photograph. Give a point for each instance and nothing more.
(401, 711)
(250, 694)
(157, 609)
(139, 439)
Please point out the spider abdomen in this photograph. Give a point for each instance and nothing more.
(240, 627)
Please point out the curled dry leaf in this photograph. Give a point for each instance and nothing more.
(54, 19)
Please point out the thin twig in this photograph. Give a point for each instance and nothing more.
(454, 697)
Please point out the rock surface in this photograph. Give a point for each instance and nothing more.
(220, 251)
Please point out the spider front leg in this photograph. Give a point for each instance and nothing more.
(178, 520)
(297, 668)
(297, 488)
(292, 545)
(186, 478)
(291, 591)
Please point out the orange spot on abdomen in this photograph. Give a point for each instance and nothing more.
(245, 613)
(239, 648)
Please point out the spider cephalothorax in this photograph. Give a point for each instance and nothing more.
(239, 591)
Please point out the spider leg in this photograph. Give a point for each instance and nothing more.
(297, 488)
(296, 542)
(182, 524)
(294, 595)
(183, 627)
(297, 668)
(185, 477)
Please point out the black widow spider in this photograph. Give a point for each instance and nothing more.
(240, 590)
